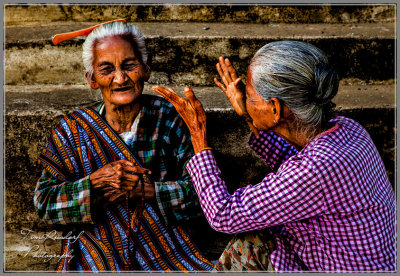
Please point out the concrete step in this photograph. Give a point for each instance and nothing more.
(202, 13)
(186, 53)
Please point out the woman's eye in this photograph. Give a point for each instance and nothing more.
(106, 70)
(130, 66)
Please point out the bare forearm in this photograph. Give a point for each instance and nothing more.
(199, 142)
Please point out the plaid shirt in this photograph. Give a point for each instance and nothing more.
(162, 144)
(330, 207)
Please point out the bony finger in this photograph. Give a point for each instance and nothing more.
(220, 85)
(231, 70)
(115, 197)
(224, 66)
(162, 91)
(222, 74)
(237, 81)
(131, 177)
(169, 95)
(196, 104)
(227, 62)
(189, 93)
(114, 185)
(138, 170)
(125, 162)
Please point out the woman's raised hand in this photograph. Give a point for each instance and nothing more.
(232, 86)
(192, 113)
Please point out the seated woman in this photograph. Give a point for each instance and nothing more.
(114, 172)
(328, 204)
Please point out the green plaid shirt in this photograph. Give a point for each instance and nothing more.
(162, 144)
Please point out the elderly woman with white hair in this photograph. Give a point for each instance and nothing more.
(327, 205)
(114, 173)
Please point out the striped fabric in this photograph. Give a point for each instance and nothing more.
(122, 237)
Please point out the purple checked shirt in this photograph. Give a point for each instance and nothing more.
(329, 207)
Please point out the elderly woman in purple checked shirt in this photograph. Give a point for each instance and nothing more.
(328, 204)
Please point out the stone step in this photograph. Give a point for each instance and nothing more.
(186, 53)
(15, 14)
(28, 100)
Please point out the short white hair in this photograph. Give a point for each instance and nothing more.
(112, 29)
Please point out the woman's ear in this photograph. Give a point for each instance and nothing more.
(276, 108)
(90, 78)
(147, 73)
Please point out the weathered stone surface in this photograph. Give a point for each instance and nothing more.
(202, 13)
(31, 251)
(186, 54)
(59, 99)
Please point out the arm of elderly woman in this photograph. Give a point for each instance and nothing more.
(293, 194)
(175, 193)
(60, 202)
(191, 112)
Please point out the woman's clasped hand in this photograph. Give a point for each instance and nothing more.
(119, 178)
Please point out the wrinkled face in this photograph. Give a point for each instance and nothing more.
(258, 108)
(117, 71)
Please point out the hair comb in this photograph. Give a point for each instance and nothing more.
(58, 38)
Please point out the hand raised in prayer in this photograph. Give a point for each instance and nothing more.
(192, 113)
(116, 179)
(232, 86)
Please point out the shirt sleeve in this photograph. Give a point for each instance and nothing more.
(271, 148)
(60, 202)
(292, 194)
(177, 199)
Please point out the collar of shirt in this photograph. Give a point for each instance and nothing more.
(127, 136)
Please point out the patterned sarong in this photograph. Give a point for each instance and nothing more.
(248, 251)
(126, 237)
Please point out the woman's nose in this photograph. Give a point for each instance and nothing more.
(120, 77)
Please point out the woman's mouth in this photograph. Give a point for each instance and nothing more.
(122, 89)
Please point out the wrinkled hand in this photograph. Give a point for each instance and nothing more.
(149, 191)
(117, 179)
(112, 195)
(192, 113)
(233, 86)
